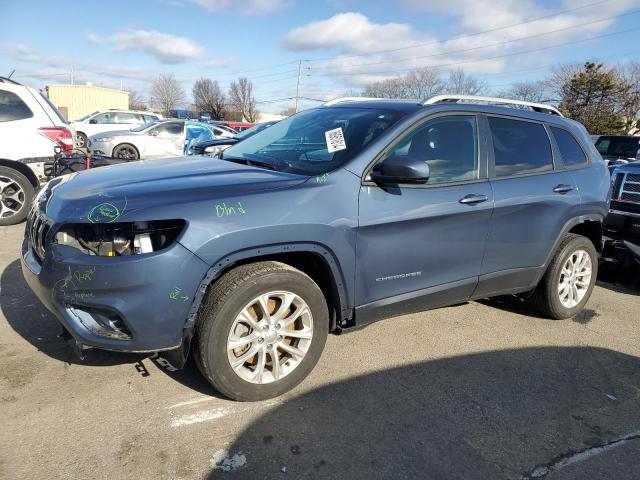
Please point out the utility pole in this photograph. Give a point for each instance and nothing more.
(298, 86)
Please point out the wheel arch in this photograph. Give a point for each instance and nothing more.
(312, 259)
(23, 169)
(589, 226)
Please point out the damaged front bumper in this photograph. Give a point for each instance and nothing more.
(134, 303)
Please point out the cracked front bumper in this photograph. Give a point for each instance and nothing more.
(139, 290)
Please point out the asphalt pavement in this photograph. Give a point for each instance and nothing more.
(483, 390)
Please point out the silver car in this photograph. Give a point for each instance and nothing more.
(168, 138)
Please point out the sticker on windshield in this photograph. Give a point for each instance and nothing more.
(335, 140)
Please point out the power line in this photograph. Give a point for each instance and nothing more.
(468, 35)
(477, 60)
(537, 35)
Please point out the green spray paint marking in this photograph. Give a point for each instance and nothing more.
(224, 210)
(81, 276)
(176, 295)
(322, 178)
(106, 212)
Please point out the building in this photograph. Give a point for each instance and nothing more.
(76, 101)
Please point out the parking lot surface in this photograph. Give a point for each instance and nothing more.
(482, 390)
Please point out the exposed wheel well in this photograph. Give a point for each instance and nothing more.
(23, 169)
(313, 265)
(591, 229)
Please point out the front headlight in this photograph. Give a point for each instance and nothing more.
(103, 139)
(120, 239)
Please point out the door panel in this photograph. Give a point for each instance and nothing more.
(416, 238)
(527, 218)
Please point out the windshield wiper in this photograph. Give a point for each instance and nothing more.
(251, 163)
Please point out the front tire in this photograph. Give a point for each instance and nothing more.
(126, 151)
(568, 282)
(261, 330)
(16, 194)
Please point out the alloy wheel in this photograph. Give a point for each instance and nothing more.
(575, 278)
(270, 337)
(12, 197)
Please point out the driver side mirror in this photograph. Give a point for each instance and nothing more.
(93, 120)
(400, 169)
(153, 133)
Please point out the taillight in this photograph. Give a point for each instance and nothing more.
(60, 135)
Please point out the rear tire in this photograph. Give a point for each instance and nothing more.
(16, 195)
(81, 140)
(568, 282)
(291, 296)
(126, 151)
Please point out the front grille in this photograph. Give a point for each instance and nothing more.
(37, 229)
(629, 190)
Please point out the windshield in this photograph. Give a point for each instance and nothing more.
(250, 132)
(82, 119)
(618, 147)
(315, 141)
(144, 126)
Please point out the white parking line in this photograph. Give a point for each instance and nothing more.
(191, 402)
(203, 416)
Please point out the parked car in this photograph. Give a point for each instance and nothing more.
(332, 218)
(240, 126)
(108, 120)
(215, 146)
(618, 149)
(623, 220)
(168, 138)
(32, 133)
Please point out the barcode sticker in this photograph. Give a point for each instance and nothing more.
(335, 140)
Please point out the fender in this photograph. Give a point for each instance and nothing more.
(568, 226)
(217, 269)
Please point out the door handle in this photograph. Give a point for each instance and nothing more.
(473, 199)
(562, 188)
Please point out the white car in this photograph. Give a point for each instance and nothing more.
(108, 120)
(32, 133)
(168, 138)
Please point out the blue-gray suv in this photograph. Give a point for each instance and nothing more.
(354, 211)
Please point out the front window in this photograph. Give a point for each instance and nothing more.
(315, 141)
(617, 147)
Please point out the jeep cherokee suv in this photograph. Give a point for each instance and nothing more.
(354, 211)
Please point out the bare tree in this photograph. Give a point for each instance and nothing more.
(424, 83)
(560, 75)
(241, 99)
(630, 108)
(137, 101)
(167, 94)
(209, 97)
(526, 91)
(461, 83)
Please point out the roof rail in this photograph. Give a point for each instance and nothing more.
(352, 99)
(8, 80)
(536, 107)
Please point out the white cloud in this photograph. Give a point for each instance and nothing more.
(165, 47)
(22, 53)
(385, 44)
(218, 63)
(246, 7)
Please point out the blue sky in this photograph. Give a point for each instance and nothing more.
(344, 43)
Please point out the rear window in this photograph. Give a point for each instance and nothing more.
(520, 148)
(12, 108)
(571, 153)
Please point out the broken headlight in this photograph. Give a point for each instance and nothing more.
(119, 239)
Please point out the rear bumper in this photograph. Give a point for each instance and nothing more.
(622, 225)
(135, 291)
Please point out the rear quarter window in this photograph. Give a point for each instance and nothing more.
(12, 107)
(520, 147)
(570, 151)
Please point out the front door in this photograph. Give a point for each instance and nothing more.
(420, 246)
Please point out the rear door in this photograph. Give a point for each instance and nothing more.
(420, 246)
(166, 140)
(534, 198)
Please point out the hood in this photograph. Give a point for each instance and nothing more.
(160, 185)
